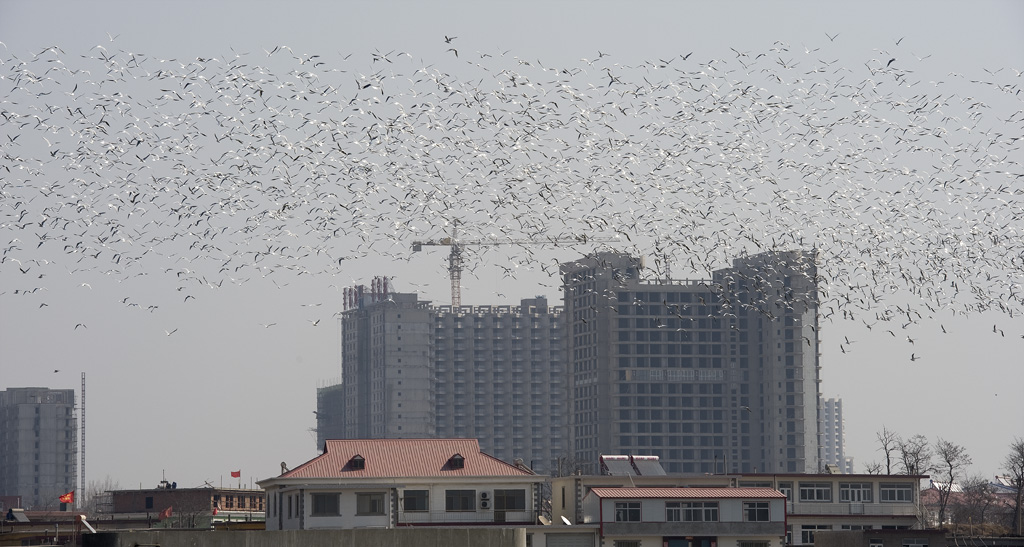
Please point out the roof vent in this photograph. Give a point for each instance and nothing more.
(356, 463)
(456, 462)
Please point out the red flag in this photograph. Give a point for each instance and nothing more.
(236, 474)
(166, 513)
(215, 511)
(68, 498)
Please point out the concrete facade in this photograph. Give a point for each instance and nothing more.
(433, 537)
(412, 370)
(814, 502)
(38, 445)
(833, 436)
(500, 374)
(711, 376)
(387, 372)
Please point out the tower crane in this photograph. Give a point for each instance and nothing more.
(455, 260)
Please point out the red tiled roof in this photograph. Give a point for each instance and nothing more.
(688, 493)
(403, 458)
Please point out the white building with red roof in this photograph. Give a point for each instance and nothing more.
(387, 483)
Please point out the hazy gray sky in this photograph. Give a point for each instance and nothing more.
(198, 370)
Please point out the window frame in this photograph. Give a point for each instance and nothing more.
(415, 496)
(807, 532)
(325, 504)
(896, 491)
(757, 509)
(461, 495)
(815, 489)
(503, 497)
(692, 511)
(848, 489)
(628, 511)
(365, 504)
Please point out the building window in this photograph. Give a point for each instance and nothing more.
(149, 502)
(895, 492)
(787, 489)
(416, 500)
(876, 542)
(371, 503)
(691, 511)
(752, 544)
(915, 542)
(627, 511)
(460, 500)
(510, 500)
(855, 492)
(816, 491)
(755, 511)
(807, 532)
(326, 505)
(626, 543)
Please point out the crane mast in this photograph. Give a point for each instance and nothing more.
(455, 259)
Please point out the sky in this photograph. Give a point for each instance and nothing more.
(205, 323)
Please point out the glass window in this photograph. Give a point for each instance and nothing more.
(855, 491)
(895, 492)
(787, 489)
(370, 503)
(807, 531)
(915, 542)
(755, 511)
(325, 505)
(510, 500)
(627, 511)
(460, 500)
(815, 491)
(627, 543)
(416, 500)
(691, 511)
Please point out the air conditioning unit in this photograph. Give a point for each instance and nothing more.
(484, 504)
(485, 495)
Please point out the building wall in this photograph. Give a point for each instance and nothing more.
(292, 507)
(501, 379)
(386, 368)
(38, 444)
(436, 537)
(711, 376)
(494, 373)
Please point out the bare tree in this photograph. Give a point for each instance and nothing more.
(915, 455)
(890, 443)
(953, 460)
(873, 468)
(1015, 465)
(97, 498)
(970, 509)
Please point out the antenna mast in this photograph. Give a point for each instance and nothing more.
(81, 447)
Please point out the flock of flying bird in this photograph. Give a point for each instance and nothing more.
(906, 179)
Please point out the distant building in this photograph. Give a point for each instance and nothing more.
(412, 370)
(715, 376)
(500, 378)
(388, 483)
(833, 436)
(813, 502)
(188, 507)
(38, 444)
(687, 517)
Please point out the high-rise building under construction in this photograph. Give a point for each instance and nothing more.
(712, 376)
(38, 444)
(413, 370)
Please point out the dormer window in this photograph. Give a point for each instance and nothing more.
(356, 463)
(456, 462)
